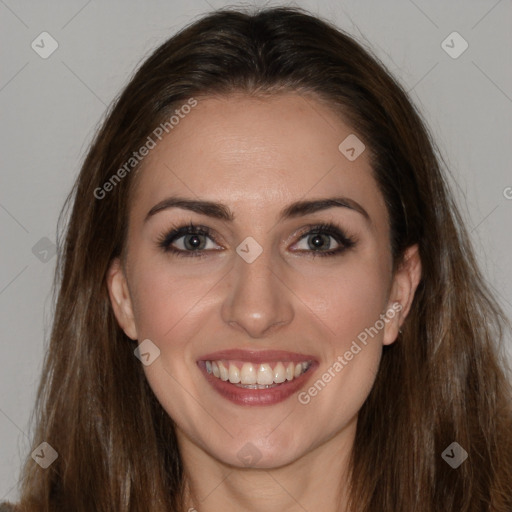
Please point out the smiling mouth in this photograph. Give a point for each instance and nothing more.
(257, 377)
(249, 375)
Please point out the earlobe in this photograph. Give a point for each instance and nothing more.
(120, 298)
(405, 283)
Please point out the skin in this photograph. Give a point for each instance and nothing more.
(257, 156)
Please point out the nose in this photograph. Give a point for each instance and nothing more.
(258, 301)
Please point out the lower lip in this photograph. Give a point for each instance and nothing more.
(269, 396)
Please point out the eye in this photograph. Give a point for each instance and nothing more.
(192, 241)
(187, 241)
(318, 240)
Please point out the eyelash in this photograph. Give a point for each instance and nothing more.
(176, 232)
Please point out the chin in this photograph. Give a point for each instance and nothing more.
(258, 452)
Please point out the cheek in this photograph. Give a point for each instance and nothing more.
(350, 305)
(166, 301)
(348, 300)
(168, 310)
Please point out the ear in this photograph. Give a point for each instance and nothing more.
(120, 298)
(405, 281)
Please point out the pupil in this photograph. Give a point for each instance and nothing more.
(194, 241)
(317, 241)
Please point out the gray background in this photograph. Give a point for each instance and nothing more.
(51, 107)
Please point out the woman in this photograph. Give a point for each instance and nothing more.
(264, 275)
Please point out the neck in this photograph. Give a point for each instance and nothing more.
(318, 480)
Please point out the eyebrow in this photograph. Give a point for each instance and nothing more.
(222, 212)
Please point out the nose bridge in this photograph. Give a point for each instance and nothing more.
(257, 300)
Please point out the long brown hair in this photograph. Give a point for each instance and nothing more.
(442, 381)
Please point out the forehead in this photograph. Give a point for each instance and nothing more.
(257, 154)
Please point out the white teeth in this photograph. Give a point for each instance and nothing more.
(279, 373)
(256, 376)
(265, 374)
(234, 374)
(255, 386)
(248, 374)
(290, 371)
(224, 375)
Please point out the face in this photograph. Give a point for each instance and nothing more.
(271, 311)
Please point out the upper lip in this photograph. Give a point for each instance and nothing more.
(257, 356)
